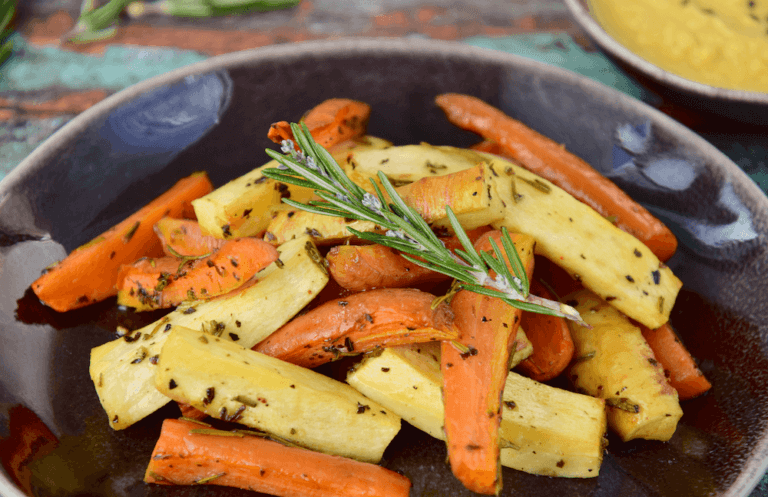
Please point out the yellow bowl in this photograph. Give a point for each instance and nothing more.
(741, 105)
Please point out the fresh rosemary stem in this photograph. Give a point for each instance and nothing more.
(405, 230)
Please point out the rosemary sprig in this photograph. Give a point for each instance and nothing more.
(406, 231)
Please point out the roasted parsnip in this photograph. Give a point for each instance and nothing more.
(613, 361)
(122, 370)
(230, 382)
(608, 261)
(605, 259)
(470, 193)
(544, 430)
(243, 207)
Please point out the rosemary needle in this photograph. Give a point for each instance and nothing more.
(312, 166)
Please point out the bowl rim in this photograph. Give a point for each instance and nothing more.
(583, 18)
(757, 464)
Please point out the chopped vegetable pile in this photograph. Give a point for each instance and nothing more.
(459, 280)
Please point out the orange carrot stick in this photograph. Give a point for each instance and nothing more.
(188, 454)
(474, 379)
(183, 237)
(550, 160)
(330, 123)
(364, 267)
(191, 412)
(489, 147)
(684, 376)
(89, 273)
(27, 441)
(360, 323)
(145, 279)
(154, 287)
(552, 343)
(556, 278)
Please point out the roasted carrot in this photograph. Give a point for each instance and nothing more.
(679, 367)
(189, 454)
(89, 273)
(551, 339)
(550, 160)
(359, 323)
(145, 279)
(330, 123)
(148, 284)
(473, 378)
(556, 278)
(489, 147)
(183, 237)
(27, 441)
(364, 267)
(190, 412)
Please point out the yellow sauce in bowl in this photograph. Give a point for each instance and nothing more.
(722, 43)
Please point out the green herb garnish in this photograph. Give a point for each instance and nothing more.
(406, 231)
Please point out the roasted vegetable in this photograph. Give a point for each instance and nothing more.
(473, 377)
(188, 454)
(230, 382)
(89, 273)
(365, 267)
(184, 238)
(169, 281)
(612, 361)
(332, 122)
(470, 194)
(679, 367)
(122, 370)
(550, 160)
(550, 338)
(544, 430)
(608, 261)
(360, 323)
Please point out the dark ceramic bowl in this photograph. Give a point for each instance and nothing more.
(214, 116)
(743, 106)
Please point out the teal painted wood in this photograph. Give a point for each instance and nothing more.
(50, 70)
(33, 68)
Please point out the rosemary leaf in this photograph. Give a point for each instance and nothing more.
(440, 269)
(471, 254)
(514, 281)
(381, 197)
(313, 167)
(514, 259)
(316, 209)
(349, 207)
(393, 243)
(318, 182)
(291, 180)
(538, 309)
(409, 211)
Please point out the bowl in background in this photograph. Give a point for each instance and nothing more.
(125, 151)
(743, 106)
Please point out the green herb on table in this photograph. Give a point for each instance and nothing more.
(100, 23)
(7, 10)
(205, 8)
(406, 231)
(94, 23)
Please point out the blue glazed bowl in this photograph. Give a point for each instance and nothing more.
(126, 150)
